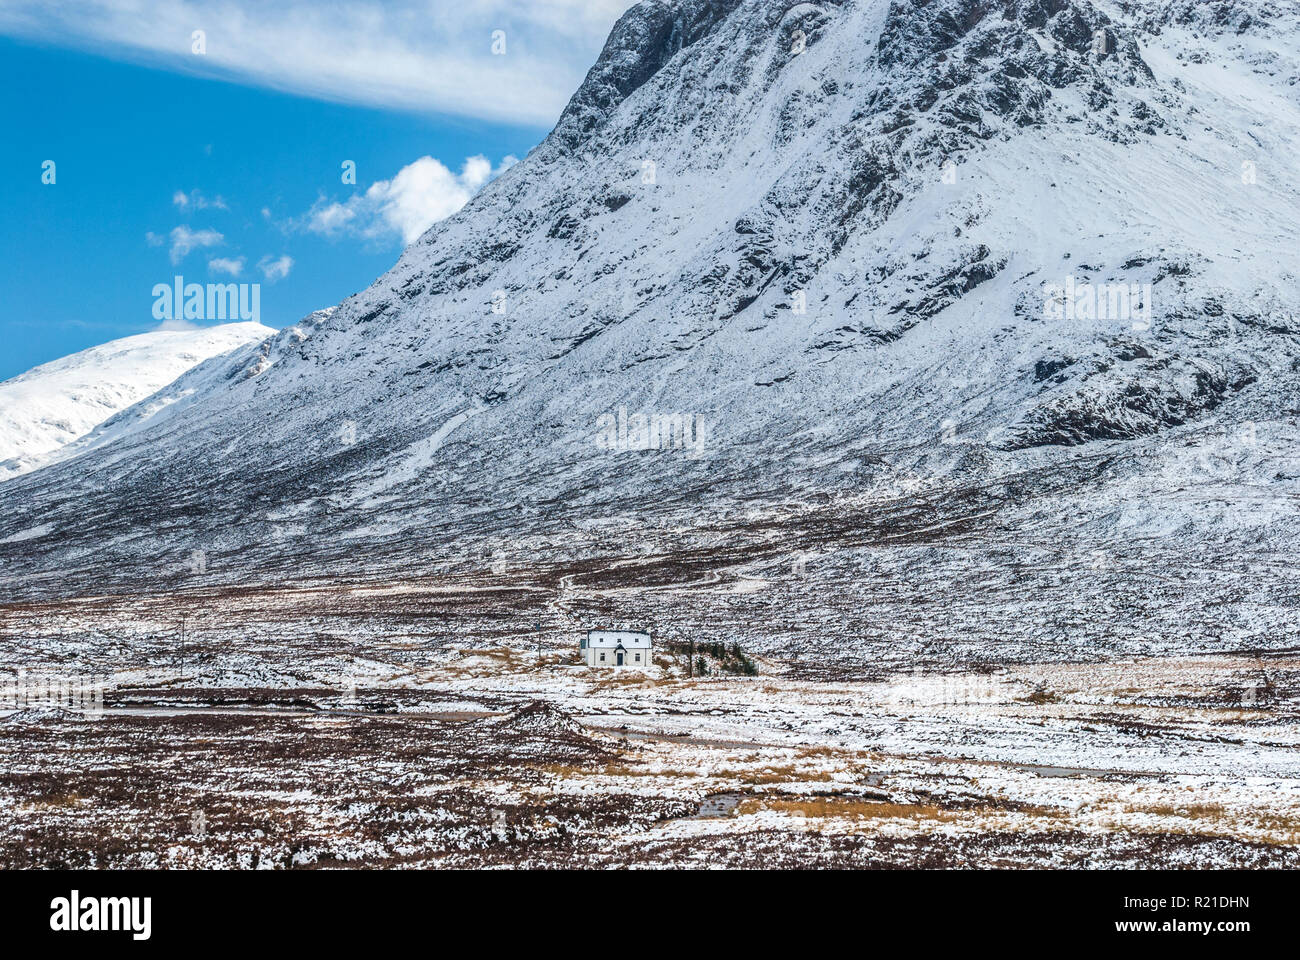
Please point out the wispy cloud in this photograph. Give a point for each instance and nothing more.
(275, 268)
(179, 324)
(185, 240)
(232, 266)
(195, 200)
(421, 194)
(404, 53)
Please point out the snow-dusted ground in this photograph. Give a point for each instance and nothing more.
(380, 724)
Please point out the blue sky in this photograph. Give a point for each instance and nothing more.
(223, 171)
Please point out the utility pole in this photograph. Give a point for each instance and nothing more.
(182, 647)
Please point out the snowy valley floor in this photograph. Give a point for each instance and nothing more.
(354, 726)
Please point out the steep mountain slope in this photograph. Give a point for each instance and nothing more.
(48, 408)
(205, 383)
(836, 239)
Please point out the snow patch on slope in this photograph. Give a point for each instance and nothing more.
(51, 406)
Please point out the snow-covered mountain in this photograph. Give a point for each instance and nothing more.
(48, 408)
(1021, 270)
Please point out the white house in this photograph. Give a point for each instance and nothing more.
(616, 648)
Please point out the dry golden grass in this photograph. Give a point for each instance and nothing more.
(54, 801)
(816, 752)
(496, 653)
(622, 680)
(821, 808)
(1041, 697)
(1279, 829)
(848, 808)
(501, 660)
(1195, 811)
(785, 774)
(614, 770)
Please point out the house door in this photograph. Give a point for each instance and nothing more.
(620, 658)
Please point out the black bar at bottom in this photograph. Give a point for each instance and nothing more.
(333, 909)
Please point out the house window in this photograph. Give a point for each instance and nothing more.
(638, 658)
(602, 658)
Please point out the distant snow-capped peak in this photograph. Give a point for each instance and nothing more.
(51, 406)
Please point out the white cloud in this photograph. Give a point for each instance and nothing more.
(233, 267)
(330, 218)
(410, 54)
(421, 194)
(195, 200)
(177, 323)
(275, 268)
(184, 240)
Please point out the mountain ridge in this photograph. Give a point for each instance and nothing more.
(835, 258)
(52, 406)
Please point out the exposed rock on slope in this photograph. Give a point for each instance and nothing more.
(826, 232)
